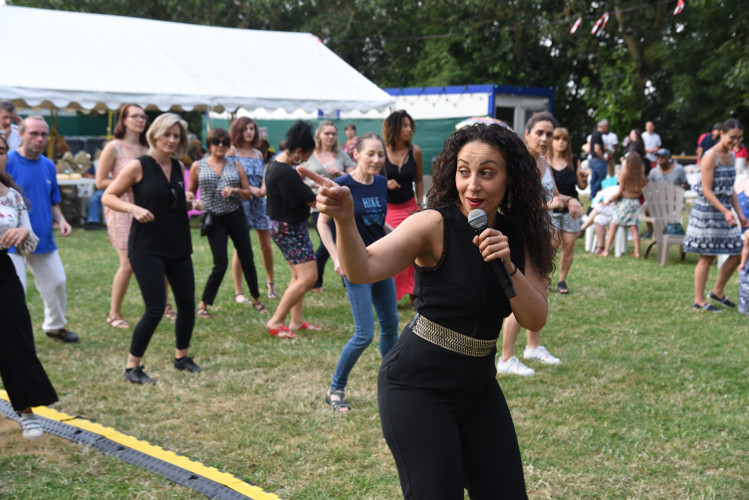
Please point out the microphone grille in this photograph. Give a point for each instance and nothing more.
(477, 219)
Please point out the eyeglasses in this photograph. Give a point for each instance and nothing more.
(138, 117)
(221, 142)
(173, 203)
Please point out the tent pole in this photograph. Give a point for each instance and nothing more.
(109, 124)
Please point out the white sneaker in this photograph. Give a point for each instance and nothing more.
(30, 426)
(541, 354)
(513, 366)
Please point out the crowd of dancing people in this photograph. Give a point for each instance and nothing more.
(442, 411)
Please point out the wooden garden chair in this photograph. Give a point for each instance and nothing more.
(665, 202)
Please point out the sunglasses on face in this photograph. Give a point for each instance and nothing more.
(221, 142)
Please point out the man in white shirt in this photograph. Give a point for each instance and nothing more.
(610, 145)
(652, 143)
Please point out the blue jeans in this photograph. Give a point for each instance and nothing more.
(362, 298)
(598, 169)
(94, 207)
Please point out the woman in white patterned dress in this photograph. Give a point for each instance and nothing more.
(713, 229)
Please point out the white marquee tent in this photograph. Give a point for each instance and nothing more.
(73, 60)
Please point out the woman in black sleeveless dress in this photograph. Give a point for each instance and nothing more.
(441, 408)
(159, 241)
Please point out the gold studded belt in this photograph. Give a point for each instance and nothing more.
(449, 339)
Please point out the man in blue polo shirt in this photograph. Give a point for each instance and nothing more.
(37, 176)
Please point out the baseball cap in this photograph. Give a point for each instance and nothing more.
(663, 152)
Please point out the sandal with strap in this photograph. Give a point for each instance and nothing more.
(259, 307)
(308, 326)
(282, 332)
(203, 313)
(562, 288)
(117, 321)
(271, 286)
(241, 298)
(337, 401)
(170, 313)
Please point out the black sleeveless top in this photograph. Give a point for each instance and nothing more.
(405, 176)
(168, 235)
(461, 292)
(566, 181)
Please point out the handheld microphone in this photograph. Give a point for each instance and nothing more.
(477, 220)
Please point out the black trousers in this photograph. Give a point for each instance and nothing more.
(22, 373)
(445, 440)
(232, 225)
(149, 270)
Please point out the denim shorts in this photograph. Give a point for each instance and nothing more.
(564, 222)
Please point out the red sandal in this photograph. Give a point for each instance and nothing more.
(308, 326)
(283, 330)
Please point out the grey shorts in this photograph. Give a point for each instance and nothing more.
(565, 222)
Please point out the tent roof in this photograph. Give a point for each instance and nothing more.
(84, 61)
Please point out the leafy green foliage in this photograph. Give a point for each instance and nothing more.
(683, 72)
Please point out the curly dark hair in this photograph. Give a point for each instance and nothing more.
(391, 127)
(300, 136)
(525, 198)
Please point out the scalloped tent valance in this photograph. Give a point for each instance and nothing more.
(92, 61)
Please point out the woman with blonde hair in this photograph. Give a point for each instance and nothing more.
(329, 161)
(567, 177)
(159, 243)
(245, 141)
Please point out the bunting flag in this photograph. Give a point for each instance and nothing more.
(576, 25)
(600, 24)
(679, 7)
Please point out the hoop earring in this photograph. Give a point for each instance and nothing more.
(297, 159)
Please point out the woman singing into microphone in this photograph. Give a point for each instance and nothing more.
(443, 414)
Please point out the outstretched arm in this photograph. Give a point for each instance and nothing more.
(326, 235)
(418, 238)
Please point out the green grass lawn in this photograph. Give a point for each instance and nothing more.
(651, 399)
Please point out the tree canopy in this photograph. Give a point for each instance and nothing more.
(683, 71)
